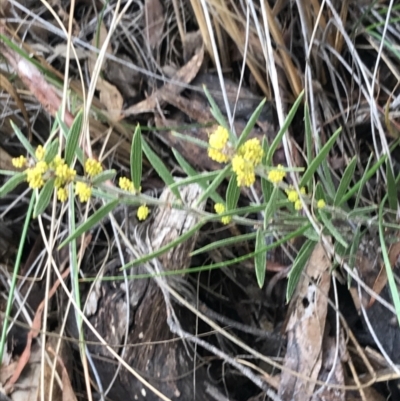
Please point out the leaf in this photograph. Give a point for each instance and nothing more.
(307, 176)
(345, 182)
(389, 272)
(391, 187)
(366, 176)
(91, 221)
(251, 123)
(271, 207)
(332, 229)
(266, 186)
(51, 151)
(219, 117)
(213, 186)
(232, 193)
(13, 182)
(136, 158)
(260, 259)
(166, 247)
(298, 267)
(103, 176)
(191, 172)
(277, 140)
(23, 140)
(44, 198)
(73, 138)
(161, 169)
(308, 133)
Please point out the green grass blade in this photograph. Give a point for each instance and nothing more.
(251, 123)
(366, 176)
(260, 260)
(91, 221)
(44, 198)
(277, 140)
(160, 168)
(345, 182)
(12, 183)
(298, 267)
(10, 298)
(137, 158)
(23, 140)
(191, 139)
(73, 138)
(307, 176)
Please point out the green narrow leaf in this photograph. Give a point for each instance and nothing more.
(332, 229)
(23, 140)
(91, 221)
(391, 187)
(284, 128)
(271, 207)
(11, 183)
(166, 247)
(389, 272)
(307, 176)
(366, 176)
(73, 138)
(298, 267)
(161, 169)
(308, 134)
(44, 198)
(191, 139)
(232, 193)
(251, 123)
(213, 186)
(103, 176)
(137, 158)
(266, 186)
(345, 182)
(191, 172)
(51, 151)
(219, 117)
(61, 123)
(260, 259)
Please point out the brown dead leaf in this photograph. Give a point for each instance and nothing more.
(5, 161)
(110, 96)
(185, 75)
(305, 329)
(10, 88)
(154, 15)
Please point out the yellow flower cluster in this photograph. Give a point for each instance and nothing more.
(219, 209)
(277, 175)
(93, 167)
(83, 191)
(217, 145)
(19, 162)
(244, 160)
(34, 175)
(126, 184)
(143, 212)
(247, 157)
(293, 196)
(40, 152)
(321, 204)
